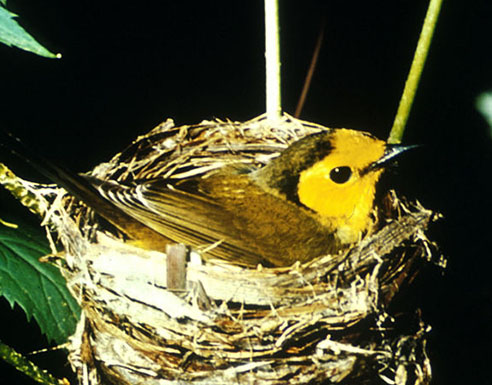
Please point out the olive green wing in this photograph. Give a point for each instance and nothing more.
(184, 217)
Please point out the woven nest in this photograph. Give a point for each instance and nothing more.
(320, 322)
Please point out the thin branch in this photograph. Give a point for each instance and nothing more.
(312, 67)
(413, 78)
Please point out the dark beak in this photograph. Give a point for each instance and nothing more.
(390, 154)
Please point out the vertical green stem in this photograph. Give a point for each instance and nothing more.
(272, 56)
(413, 78)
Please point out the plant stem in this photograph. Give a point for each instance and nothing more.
(272, 56)
(27, 367)
(413, 78)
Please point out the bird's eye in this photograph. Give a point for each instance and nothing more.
(340, 174)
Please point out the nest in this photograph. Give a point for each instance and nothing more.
(325, 321)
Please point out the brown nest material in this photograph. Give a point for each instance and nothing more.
(321, 322)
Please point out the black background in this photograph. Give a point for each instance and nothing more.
(129, 65)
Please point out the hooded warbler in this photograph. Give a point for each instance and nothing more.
(314, 199)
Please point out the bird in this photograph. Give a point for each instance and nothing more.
(316, 198)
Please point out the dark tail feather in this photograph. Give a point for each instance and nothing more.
(78, 186)
(75, 184)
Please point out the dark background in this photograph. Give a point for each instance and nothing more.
(128, 66)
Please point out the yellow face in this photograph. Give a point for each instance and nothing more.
(337, 187)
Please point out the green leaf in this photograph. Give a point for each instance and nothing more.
(38, 288)
(12, 34)
(484, 105)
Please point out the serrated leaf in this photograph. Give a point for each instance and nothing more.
(12, 34)
(38, 288)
